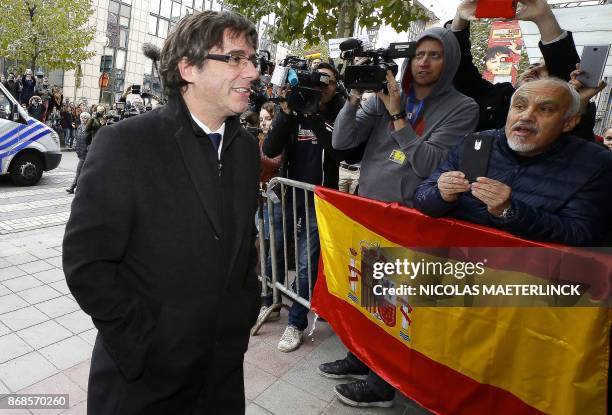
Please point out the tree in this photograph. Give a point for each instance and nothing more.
(48, 33)
(479, 37)
(317, 21)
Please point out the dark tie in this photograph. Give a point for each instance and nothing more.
(215, 139)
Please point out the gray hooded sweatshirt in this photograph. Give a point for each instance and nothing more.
(447, 115)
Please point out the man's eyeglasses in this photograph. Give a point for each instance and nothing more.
(237, 61)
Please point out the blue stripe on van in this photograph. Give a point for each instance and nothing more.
(20, 127)
(22, 132)
(24, 144)
(13, 131)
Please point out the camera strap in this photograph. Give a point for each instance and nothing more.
(412, 112)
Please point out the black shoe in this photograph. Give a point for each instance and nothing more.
(341, 369)
(70, 190)
(359, 394)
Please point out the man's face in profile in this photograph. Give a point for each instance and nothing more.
(223, 86)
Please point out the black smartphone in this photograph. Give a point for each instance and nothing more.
(592, 64)
(476, 154)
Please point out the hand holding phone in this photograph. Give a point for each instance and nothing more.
(592, 64)
(451, 184)
(476, 153)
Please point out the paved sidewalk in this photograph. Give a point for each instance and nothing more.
(46, 340)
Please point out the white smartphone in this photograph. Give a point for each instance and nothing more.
(592, 64)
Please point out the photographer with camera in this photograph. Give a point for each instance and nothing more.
(304, 135)
(407, 132)
(36, 108)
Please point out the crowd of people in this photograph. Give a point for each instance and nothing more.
(174, 297)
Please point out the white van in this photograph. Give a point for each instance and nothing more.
(27, 146)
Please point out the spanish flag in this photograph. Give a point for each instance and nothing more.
(457, 360)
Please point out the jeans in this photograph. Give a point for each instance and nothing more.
(68, 137)
(298, 314)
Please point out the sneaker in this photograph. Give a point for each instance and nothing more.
(342, 369)
(290, 340)
(359, 394)
(273, 316)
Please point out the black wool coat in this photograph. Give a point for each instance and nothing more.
(160, 251)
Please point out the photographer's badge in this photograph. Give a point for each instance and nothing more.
(398, 157)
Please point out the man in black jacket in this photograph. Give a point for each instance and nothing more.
(305, 140)
(559, 60)
(160, 245)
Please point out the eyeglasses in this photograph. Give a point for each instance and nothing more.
(237, 61)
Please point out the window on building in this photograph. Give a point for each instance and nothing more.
(162, 28)
(123, 38)
(176, 11)
(120, 59)
(154, 6)
(165, 10)
(124, 16)
(152, 25)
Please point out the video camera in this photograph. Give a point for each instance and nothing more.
(112, 117)
(304, 95)
(373, 76)
(266, 66)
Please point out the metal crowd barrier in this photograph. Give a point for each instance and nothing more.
(283, 281)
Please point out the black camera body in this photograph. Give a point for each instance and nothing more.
(295, 62)
(266, 66)
(304, 95)
(373, 76)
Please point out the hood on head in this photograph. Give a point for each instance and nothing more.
(452, 56)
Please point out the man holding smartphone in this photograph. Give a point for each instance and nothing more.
(542, 182)
(559, 60)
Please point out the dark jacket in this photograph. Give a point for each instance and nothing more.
(67, 118)
(160, 251)
(92, 127)
(494, 99)
(304, 158)
(560, 196)
(37, 111)
(27, 89)
(14, 88)
(82, 142)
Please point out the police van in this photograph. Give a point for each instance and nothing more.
(27, 146)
